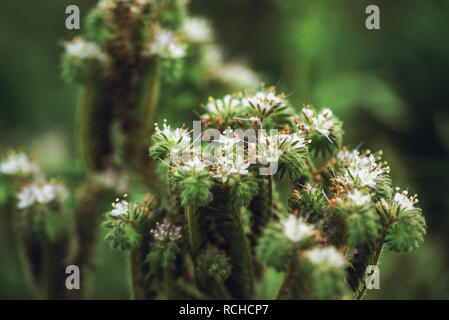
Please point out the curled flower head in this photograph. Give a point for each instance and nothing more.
(18, 164)
(296, 229)
(326, 257)
(166, 231)
(83, 49)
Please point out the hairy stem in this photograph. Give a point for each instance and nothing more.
(194, 239)
(288, 276)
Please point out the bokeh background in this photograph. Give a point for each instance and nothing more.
(389, 86)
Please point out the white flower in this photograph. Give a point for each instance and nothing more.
(26, 198)
(44, 193)
(226, 105)
(179, 137)
(360, 169)
(226, 166)
(326, 256)
(197, 29)
(292, 141)
(309, 188)
(195, 164)
(41, 192)
(164, 45)
(120, 208)
(83, 49)
(18, 164)
(403, 201)
(296, 229)
(323, 123)
(308, 112)
(241, 166)
(359, 198)
(363, 176)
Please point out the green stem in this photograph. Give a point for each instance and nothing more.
(135, 290)
(193, 230)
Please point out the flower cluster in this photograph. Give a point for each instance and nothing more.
(80, 48)
(41, 193)
(18, 164)
(360, 169)
(328, 256)
(296, 229)
(166, 231)
(225, 156)
(404, 202)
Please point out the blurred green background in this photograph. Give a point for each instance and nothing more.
(390, 86)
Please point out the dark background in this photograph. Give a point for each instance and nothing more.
(390, 86)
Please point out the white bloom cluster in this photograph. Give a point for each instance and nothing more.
(195, 164)
(264, 100)
(197, 29)
(359, 198)
(321, 123)
(166, 46)
(296, 229)
(228, 153)
(328, 256)
(179, 137)
(18, 164)
(83, 49)
(272, 147)
(403, 202)
(226, 166)
(226, 105)
(360, 169)
(42, 193)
